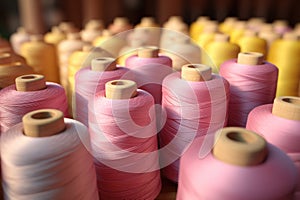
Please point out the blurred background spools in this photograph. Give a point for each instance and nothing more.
(41, 57)
(46, 148)
(237, 155)
(122, 125)
(196, 104)
(30, 92)
(252, 83)
(279, 124)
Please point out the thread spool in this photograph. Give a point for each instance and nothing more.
(5, 46)
(196, 105)
(92, 30)
(18, 38)
(227, 25)
(149, 69)
(269, 36)
(119, 25)
(55, 36)
(138, 164)
(67, 27)
(44, 137)
(279, 124)
(221, 50)
(238, 32)
(147, 22)
(250, 42)
(281, 26)
(30, 92)
(252, 83)
(91, 80)
(42, 57)
(78, 60)
(131, 49)
(197, 27)
(12, 66)
(182, 51)
(65, 49)
(208, 34)
(197, 176)
(284, 54)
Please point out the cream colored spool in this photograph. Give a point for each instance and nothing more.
(120, 89)
(30, 82)
(250, 58)
(196, 72)
(43, 123)
(103, 64)
(148, 52)
(287, 107)
(238, 146)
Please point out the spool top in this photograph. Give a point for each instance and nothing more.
(37, 38)
(121, 21)
(221, 37)
(196, 72)
(30, 82)
(239, 146)
(148, 22)
(287, 107)
(148, 52)
(291, 36)
(103, 64)
(120, 89)
(250, 58)
(94, 24)
(43, 123)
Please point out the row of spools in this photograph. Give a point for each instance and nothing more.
(123, 121)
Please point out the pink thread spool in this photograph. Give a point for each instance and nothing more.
(196, 104)
(241, 166)
(91, 80)
(50, 157)
(150, 69)
(124, 142)
(30, 92)
(279, 124)
(252, 83)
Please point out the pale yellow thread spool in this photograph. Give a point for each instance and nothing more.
(12, 66)
(284, 53)
(221, 50)
(197, 27)
(65, 49)
(18, 38)
(250, 42)
(227, 25)
(239, 146)
(55, 36)
(42, 57)
(92, 30)
(238, 31)
(208, 34)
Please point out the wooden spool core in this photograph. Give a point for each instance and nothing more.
(148, 52)
(250, 58)
(222, 37)
(43, 123)
(196, 72)
(287, 107)
(30, 82)
(239, 146)
(120, 89)
(103, 64)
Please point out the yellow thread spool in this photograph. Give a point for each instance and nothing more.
(55, 36)
(78, 60)
(197, 27)
(92, 30)
(227, 25)
(18, 38)
(42, 57)
(65, 49)
(207, 34)
(269, 36)
(238, 32)
(284, 53)
(250, 42)
(128, 51)
(221, 50)
(12, 66)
